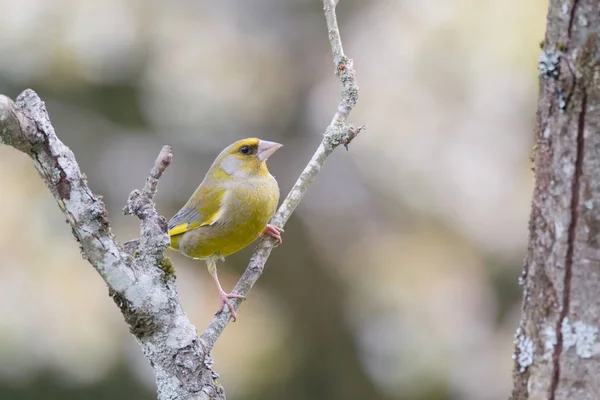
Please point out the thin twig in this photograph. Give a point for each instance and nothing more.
(160, 165)
(137, 200)
(141, 204)
(339, 132)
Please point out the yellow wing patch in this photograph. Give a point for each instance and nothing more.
(182, 228)
(203, 208)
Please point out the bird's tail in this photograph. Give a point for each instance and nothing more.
(175, 242)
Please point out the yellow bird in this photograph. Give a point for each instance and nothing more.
(230, 209)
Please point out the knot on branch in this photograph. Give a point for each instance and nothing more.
(342, 135)
(349, 135)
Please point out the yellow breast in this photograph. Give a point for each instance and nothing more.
(247, 208)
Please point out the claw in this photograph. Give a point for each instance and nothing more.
(273, 231)
(225, 302)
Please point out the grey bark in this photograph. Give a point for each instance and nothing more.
(557, 353)
(137, 275)
(140, 279)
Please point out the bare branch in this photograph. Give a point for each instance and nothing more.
(26, 126)
(141, 283)
(338, 132)
(140, 279)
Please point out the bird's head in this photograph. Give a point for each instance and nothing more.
(245, 158)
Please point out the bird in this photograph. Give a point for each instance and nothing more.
(230, 209)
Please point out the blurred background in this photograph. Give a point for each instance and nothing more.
(398, 274)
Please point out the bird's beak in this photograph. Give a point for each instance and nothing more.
(266, 149)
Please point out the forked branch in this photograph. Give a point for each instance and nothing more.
(139, 278)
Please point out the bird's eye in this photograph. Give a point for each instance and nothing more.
(246, 150)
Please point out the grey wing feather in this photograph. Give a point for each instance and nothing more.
(184, 215)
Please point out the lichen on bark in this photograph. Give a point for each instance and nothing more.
(561, 306)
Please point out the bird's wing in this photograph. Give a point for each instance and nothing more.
(203, 208)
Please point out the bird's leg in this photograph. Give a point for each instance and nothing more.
(273, 231)
(212, 268)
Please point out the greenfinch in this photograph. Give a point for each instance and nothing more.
(230, 209)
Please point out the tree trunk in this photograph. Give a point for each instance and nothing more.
(557, 354)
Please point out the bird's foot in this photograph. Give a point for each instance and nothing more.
(225, 302)
(274, 232)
